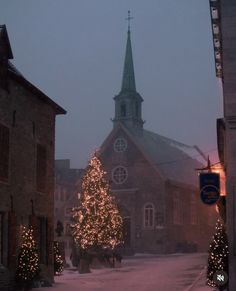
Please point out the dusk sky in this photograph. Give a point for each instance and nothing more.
(73, 50)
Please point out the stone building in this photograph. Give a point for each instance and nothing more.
(66, 198)
(153, 179)
(223, 14)
(27, 145)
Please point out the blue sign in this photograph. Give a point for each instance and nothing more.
(209, 187)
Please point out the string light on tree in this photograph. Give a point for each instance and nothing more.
(58, 261)
(28, 259)
(218, 253)
(96, 221)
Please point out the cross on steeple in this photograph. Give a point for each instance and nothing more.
(129, 18)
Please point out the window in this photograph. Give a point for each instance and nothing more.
(148, 215)
(123, 110)
(119, 174)
(193, 210)
(4, 153)
(214, 13)
(43, 247)
(120, 144)
(177, 209)
(41, 168)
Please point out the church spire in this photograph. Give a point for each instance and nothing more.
(128, 103)
(128, 80)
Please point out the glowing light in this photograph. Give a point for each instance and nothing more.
(96, 221)
(28, 259)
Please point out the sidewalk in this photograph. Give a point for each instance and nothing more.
(199, 283)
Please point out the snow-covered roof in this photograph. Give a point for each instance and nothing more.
(176, 161)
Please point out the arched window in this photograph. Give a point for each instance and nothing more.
(177, 209)
(148, 215)
(123, 110)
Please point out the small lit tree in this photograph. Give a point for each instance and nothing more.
(58, 261)
(218, 253)
(28, 260)
(97, 223)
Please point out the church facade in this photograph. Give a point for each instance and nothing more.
(153, 179)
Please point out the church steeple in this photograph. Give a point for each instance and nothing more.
(128, 80)
(128, 103)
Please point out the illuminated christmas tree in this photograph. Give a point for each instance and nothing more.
(97, 223)
(58, 261)
(28, 260)
(218, 253)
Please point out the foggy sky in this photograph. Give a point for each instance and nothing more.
(73, 50)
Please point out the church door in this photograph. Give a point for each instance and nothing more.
(126, 231)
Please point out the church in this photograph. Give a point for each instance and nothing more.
(154, 180)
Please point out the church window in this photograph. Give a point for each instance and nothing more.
(119, 174)
(148, 215)
(123, 110)
(177, 209)
(120, 144)
(4, 153)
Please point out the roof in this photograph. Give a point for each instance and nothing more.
(172, 160)
(16, 75)
(5, 50)
(176, 161)
(128, 79)
(5, 42)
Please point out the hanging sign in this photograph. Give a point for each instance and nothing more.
(209, 187)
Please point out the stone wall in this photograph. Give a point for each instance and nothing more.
(31, 121)
(228, 23)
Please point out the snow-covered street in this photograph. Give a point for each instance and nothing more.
(178, 272)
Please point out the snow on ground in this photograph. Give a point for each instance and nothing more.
(180, 272)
